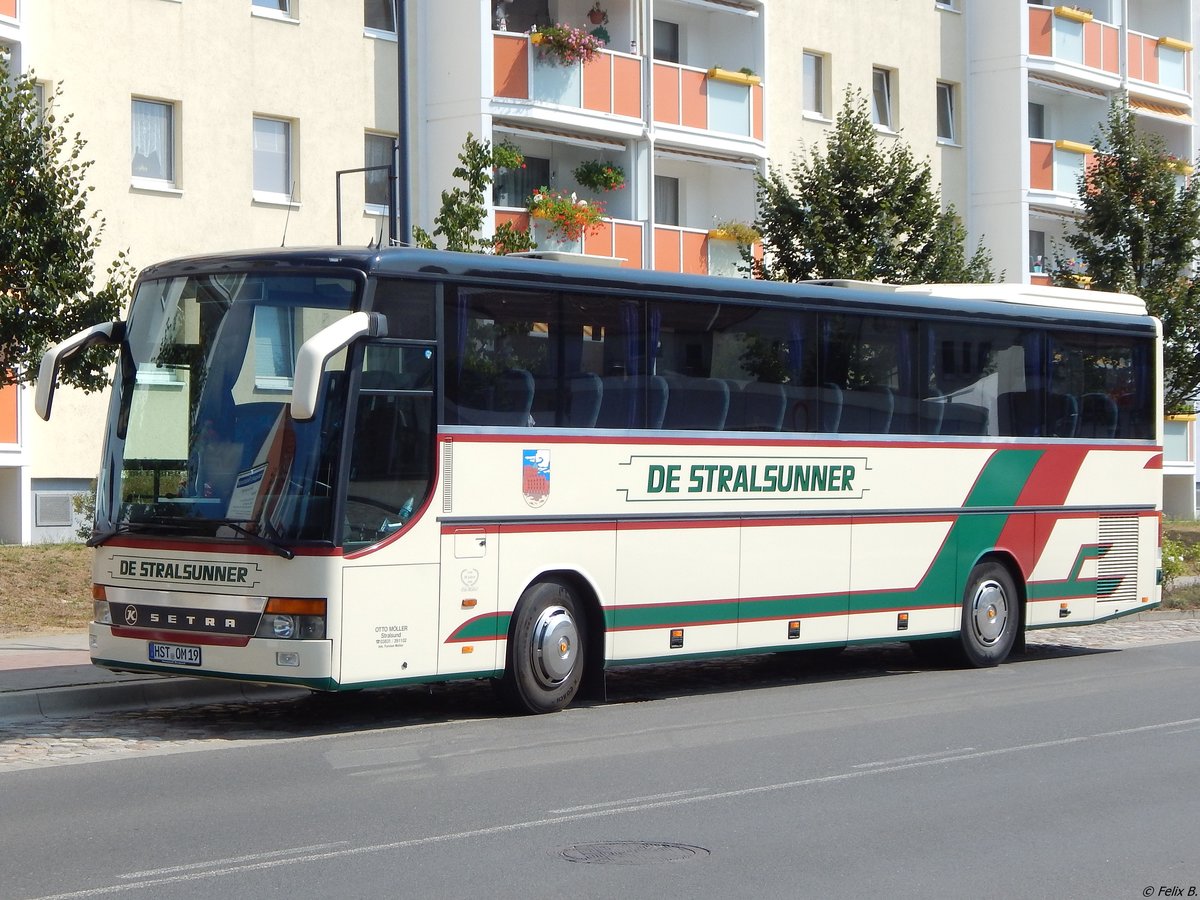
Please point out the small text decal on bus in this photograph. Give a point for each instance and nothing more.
(660, 478)
(535, 476)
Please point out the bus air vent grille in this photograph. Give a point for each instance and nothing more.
(1117, 568)
(447, 477)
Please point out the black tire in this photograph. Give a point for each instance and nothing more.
(991, 616)
(547, 650)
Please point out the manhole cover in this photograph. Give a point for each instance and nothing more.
(631, 853)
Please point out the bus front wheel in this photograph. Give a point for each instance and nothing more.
(990, 615)
(546, 650)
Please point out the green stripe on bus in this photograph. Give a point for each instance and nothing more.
(1003, 478)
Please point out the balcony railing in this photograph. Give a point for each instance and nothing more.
(1161, 61)
(694, 251)
(708, 99)
(614, 239)
(611, 83)
(1057, 165)
(1062, 34)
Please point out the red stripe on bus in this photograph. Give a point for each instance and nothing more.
(1053, 476)
(650, 437)
(1154, 462)
(182, 637)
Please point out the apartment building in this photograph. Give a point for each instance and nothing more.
(219, 124)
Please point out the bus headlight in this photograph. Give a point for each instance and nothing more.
(293, 618)
(283, 626)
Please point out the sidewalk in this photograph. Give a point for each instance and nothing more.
(51, 676)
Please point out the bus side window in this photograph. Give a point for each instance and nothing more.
(391, 455)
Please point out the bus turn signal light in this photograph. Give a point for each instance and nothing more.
(676, 638)
(902, 622)
(296, 606)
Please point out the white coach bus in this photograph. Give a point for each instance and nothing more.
(346, 469)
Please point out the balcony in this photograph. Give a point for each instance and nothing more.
(692, 251)
(1065, 35)
(1160, 62)
(611, 84)
(618, 239)
(1056, 166)
(713, 100)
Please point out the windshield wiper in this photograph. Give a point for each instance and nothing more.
(239, 525)
(130, 528)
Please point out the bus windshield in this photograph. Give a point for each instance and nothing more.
(200, 440)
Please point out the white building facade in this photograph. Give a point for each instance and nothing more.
(221, 124)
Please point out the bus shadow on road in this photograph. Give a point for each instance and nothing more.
(634, 684)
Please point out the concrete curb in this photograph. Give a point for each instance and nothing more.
(151, 693)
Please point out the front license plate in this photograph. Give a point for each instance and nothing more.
(176, 654)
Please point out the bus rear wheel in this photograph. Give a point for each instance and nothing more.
(546, 650)
(990, 615)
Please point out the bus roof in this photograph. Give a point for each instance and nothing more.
(411, 261)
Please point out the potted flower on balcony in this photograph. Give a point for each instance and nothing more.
(565, 45)
(596, 15)
(567, 216)
(598, 175)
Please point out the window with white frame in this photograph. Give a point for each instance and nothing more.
(666, 40)
(1037, 251)
(1037, 120)
(377, 152)
(379, 15)
(947, 126)
(152, 141)
(946, 4)
(281, 6)
(881, 98)
(666, 200)
(814, 83)
(273, 157)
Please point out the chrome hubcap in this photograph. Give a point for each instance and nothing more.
(555, 646)
(989, 611)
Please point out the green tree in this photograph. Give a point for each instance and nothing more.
(461, 218)
(1139, 234)
(859, 210)
(48, 241)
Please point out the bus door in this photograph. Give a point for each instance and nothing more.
(389, 533)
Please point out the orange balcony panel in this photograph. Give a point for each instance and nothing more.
(1040, 279)
(8, 406)
(1136, 66)
(1150, 60)
(695, 253)
(666, 250)
(666, 94)
(510, 66)
(1110, 48)
(627, 244)
(600, 241)
(517, 218)
(756, 111)
(1041, 165)
(8, 8)
(694, 92)
(1041, 30)
(627, 87)
(1091, 45)
(597, 83)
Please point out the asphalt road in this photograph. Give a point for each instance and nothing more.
(1067, 774)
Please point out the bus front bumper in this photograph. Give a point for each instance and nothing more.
(265, 661)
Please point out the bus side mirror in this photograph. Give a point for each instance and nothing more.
(104, 333)
(315, 352)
